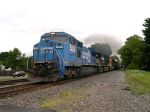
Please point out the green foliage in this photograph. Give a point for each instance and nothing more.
(146, 31)
(132, 52)
(14, 59)
(103, 49)
(139, 81)
(29, 61)
(146, 52)
(64, 97)
(126, 55)
(146, 60)
(0, 64)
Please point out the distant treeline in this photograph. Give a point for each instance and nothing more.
(135, 54)
(14, 59)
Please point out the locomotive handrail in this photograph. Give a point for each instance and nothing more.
(60, 58)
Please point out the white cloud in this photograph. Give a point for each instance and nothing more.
(22, 22)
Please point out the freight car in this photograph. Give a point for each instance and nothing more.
(60, 55)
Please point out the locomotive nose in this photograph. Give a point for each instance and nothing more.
(49, 52)
(44, 52)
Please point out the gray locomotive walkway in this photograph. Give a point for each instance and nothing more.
(5, 108)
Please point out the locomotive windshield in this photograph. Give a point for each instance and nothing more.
(57, 38)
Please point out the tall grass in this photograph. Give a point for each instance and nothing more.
(139, 81)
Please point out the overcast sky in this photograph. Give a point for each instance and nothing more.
(22, 22)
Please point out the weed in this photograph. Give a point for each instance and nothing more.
(68, 96)
(139, 81)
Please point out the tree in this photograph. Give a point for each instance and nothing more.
(0, 65)
(146, 52)
(14, 59)
(132, 52)
(146, 31)
(126, 55)
(4, 58)
(15, 56)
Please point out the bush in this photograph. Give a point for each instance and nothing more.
(133, 66)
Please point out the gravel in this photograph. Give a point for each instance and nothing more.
(99, 93)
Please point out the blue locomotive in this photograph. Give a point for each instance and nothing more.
(60, 55)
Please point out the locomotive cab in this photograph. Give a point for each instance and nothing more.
(47, 54)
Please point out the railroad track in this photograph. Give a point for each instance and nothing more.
(12, 82)
(14, 90)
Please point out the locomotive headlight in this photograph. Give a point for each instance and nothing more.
(52, 33)
(35, 48)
